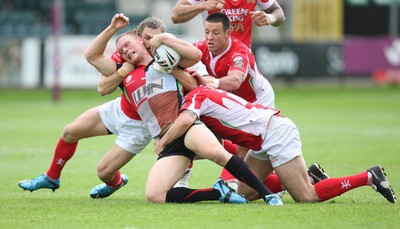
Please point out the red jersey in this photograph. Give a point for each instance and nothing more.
(230, 116)
(237, 56)
(238, 12)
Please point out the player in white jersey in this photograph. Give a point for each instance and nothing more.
(274, 143)
(114, 117)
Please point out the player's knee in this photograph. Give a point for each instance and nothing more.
(218, 155)
(153, 196)
(70, 134)
(304, 197)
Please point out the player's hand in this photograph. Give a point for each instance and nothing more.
(213, 4)
(199, 78)
(127, 67)
(119, 21)
(158, 40)
(158, 146)
(260, 18)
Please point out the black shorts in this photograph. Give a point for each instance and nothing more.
(177, 147)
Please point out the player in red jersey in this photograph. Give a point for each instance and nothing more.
(233, 68)
(241, 13)
(274, 143)
(231, 63)
(150, 100)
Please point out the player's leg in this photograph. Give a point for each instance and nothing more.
(293, 176)
(133, 137)
(86, 125)
(216, 153)
(171, 165)
(261, 168)
(163, 176)
(374, 176)
(226, 176)
(291, 169)
(108, 172)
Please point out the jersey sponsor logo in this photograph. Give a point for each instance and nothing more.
(252, 1)
(141, 93)
(236, 15)
(128, 78)
(238, 62)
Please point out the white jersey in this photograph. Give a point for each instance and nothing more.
(158, 101)
(230, 116)
(268, 135)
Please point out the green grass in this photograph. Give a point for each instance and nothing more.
(345, 129)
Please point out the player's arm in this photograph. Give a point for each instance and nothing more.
(94, 54)
(230, 82)
(187, 80)
(276, 11)
(190, 55)
(181, 124)
(184, 11)
(273, 15)
(108, 84)
(238, 69)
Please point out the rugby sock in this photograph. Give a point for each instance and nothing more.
(332, 187)
(273, 183)
(63, 152)
(187, 195)
(232, 149)
(116, 182)
(237, 167)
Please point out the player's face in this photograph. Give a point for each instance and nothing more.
(147, 34)
(216, 38)
(130, 48)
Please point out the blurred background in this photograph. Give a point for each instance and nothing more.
(42, 41)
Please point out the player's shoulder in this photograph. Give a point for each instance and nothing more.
(200, 44)
(238, 46)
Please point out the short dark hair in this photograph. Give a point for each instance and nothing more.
(219, 17)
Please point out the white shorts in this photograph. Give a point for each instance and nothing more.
(282, 142)
(133, 135)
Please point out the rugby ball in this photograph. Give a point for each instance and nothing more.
(166, 57)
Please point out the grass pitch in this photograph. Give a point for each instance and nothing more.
(345, 129)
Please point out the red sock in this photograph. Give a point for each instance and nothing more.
(117, 181)
(64, 151)
(332, 187)
(231, 148)
(273, 183)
